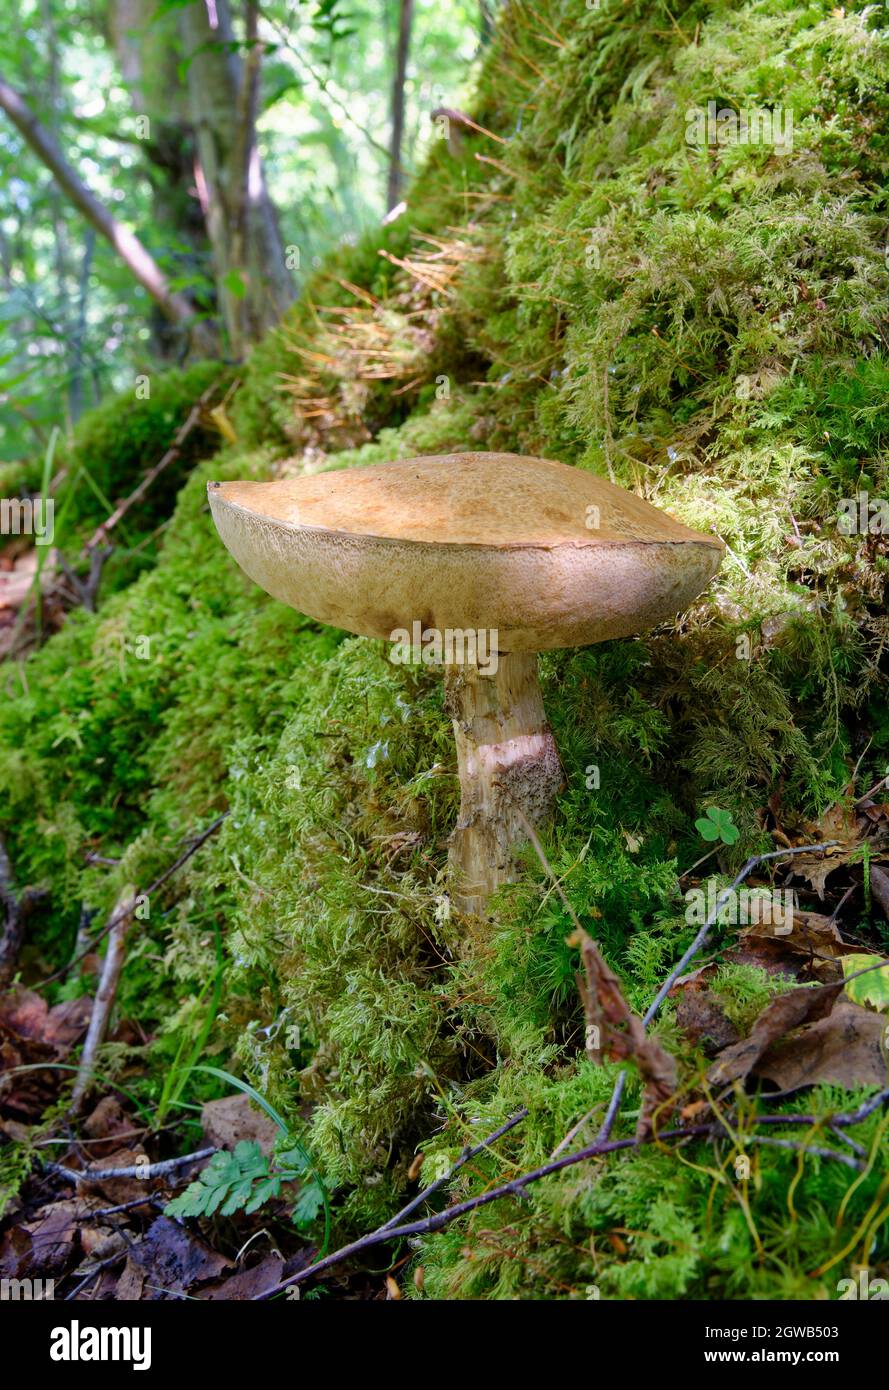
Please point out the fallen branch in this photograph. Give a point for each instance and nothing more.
(152, 888)
(467, 1154)
(813, 1149)
(147, 1200)
(135, 1170)
(175, 449)
(697, 945)
(106, 994)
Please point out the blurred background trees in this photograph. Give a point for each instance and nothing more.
(172, 170)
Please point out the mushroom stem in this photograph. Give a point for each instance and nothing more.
(508, 763)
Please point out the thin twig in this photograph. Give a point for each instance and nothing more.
(721, 901)
(697, 945)
(815, 1149)
(121, 1206)
(106, 994)
(152, 888)
(96, 1269)
(434, 1223)
(467, 1154)
(172, 453)
(135, 1170)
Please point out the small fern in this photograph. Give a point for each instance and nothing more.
(244, 1180)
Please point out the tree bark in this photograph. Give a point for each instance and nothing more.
(128, 246)
(148, 54)
(395, 180)
(508, 763)
(253, 283)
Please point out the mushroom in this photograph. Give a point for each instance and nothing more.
(482, 560)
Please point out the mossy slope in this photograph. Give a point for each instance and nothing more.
(705, 325)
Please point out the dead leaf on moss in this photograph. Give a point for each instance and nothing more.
(849, 826)
(812, 948)
(620, 1033)
(844, 1049)
(779, 1017)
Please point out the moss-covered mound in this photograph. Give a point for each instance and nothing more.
(705, 324)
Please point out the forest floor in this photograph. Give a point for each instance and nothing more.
(257, 809)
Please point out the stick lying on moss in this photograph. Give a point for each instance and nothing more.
(516, 1186)
(116, 916)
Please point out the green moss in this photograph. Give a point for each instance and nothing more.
(702, 324)
(114, 446)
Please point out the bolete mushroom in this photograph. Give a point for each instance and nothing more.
(482, 560)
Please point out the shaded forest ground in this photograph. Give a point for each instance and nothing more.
(704, 324)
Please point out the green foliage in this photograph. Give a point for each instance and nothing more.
(721, 354)
(717, 824)
(872, 988)
(230, 1182)
(246, 1180)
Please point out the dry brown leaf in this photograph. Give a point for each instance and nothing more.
(779, 1017)
(849, 826)
(606, 1008)
(879, 887)
(844, 1049)
(174, 1260)
(130, 1284)
(226, 1122)
(43, 1246)
(811, 949)
(700, 1015)
(247, 1284)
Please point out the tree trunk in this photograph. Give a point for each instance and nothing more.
(393, 190)
(253, 283)
(148, 54)
(128, 246)
(509, 772)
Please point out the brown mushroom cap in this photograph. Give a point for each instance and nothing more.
(546, 554)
